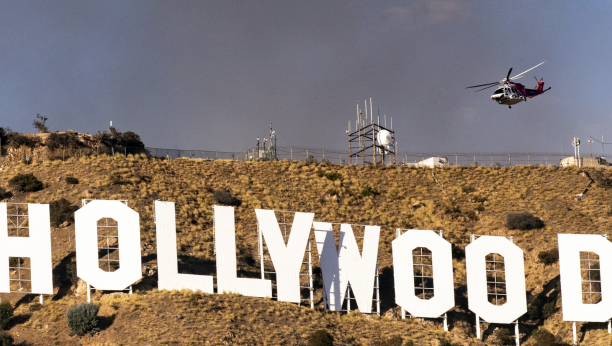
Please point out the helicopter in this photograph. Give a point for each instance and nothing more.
(511, 93)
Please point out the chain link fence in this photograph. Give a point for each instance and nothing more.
(26, 155)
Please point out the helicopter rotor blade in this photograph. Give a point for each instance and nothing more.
(522, 73)
(536, 78)
(490, 86)
(476, 86)
(509, 72)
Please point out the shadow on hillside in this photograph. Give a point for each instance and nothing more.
(60, 275)
(387, 289)
(105, 321)
(24, 343)
(197, 266)
(20, 319)
(27, 299)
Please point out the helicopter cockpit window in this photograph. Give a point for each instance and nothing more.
(499, 91)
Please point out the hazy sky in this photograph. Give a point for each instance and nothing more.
(212, 75)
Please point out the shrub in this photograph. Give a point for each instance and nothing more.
(320, 338)
(41, 124)
(15, 140)
(548, 309)
(333, 176)
(72, 180)
(35, 307)
(71, 273)
(130, 139)
(83, 318)
(544, 338)
(61, 211)
(6, 312)
(332, 192)
(224, 197)
(116, 179)
(4, 131)
(549, 257)
(503, 337)
(390, 341)
(444, 342)
(66, 140)
(5, 194)
(369, 191)
(6, 339)
(26, 182)
(523, 221)
(310, 159)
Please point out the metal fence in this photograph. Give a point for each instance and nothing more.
(303, 154)
(196, 154)
(454, 159)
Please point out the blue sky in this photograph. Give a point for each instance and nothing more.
(212, 75)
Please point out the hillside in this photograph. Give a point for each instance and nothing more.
(475, 200)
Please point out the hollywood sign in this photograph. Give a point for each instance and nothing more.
(340, 266)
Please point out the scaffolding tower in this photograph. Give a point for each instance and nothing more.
(364, 139)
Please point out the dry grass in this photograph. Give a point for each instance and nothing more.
(475, 201)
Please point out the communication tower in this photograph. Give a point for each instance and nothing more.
(371, 139)
(267, 153)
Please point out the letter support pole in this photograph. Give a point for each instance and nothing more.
(574, 332)
(516, 332)
(445, 322)
(478, 327)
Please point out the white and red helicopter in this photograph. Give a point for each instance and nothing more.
(511, 93)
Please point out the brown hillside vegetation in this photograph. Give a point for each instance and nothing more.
(475, 200)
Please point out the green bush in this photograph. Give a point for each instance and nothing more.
(320, 338)
(6, 339)
(224, 197)
(523, 221)
(83, 318)
(6, 312)
(61, 211)
(26, 182)
(72, 180)
(549, 257)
